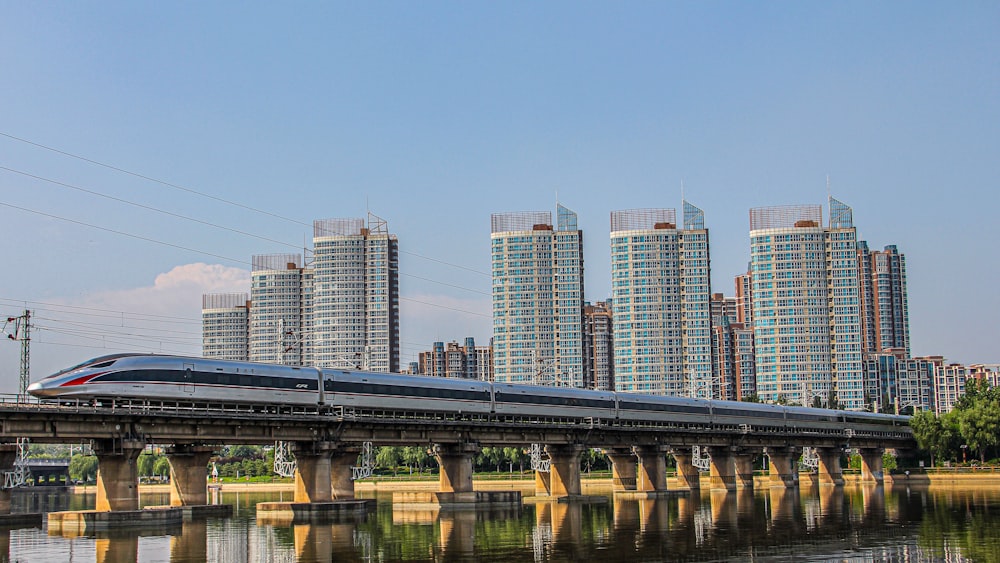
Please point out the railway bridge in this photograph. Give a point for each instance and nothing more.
(326, 443)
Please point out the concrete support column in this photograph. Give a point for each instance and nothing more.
(722, 471)
(564, 470)
(783, 468)
(189, 474)
(312, 471)
(743, 469)
(687, 474)
(623, 469)
(830, 472)
(117, 474)
(456, 466)
(342, 462)
(871, 465)
(8, 454)
(652, 468)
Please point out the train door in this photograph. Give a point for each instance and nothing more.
(187, 386)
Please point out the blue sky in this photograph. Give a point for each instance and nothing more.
(435, 115)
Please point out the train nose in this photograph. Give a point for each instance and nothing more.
(41, 390)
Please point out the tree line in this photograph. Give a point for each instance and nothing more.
(970, 430)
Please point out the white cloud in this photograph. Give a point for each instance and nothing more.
(162, 317)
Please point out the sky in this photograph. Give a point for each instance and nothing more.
(148, 150)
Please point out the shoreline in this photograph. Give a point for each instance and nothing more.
(528, 483)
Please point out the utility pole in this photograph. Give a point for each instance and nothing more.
(22, 333)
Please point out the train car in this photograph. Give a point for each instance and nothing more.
(741, 417)
(814, 421)
(391, 392)
(175, 378)
(552, 402)
(635, 409)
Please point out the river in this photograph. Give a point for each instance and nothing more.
(853, 523)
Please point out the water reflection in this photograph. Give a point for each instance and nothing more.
(819, 523)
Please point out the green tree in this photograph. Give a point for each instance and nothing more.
(932, 434)
(83, 468)
(161, 466)
(387, 457)
(145, 464)
(980, 426)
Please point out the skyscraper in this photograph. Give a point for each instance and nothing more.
(537, 298)
(892, 316)
(355, 294)
(281, 304)
(599, 346)
(660, 287)
(225, 326)
(806, 305)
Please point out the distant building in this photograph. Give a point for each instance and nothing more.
(537, 298)
(454, 360)
(895, 383)
(660, 286)
(599, 346)
(281, 308)
(225, 326)
(950, 380)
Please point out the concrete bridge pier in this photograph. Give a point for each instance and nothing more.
(688, 477)
(312, 472)
(564, 471)
(652, 476)
(783, 470)
(8, 454)
(455, 461)
(743, 469)
(722, 470)
(342, 462)
(189, 474)
(830, 472)
(871, 465)
(117, 474)
(623, 469)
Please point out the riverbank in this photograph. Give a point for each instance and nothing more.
(983, 477)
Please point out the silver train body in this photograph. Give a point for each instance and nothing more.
(199, 380)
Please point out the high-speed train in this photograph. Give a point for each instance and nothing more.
(179, 379)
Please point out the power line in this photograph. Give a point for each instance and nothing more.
(92, 309)
(148, 207)
(209, 196)
(122, 233)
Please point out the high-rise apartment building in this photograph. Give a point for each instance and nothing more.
(355, 294)
(537, 298)
(660, 286)
(225, 328)
(806, 305)
(892, 315)
(281, 307)
(599, 346)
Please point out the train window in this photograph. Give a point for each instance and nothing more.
(245, 380)
(102, 365)
(265, 381)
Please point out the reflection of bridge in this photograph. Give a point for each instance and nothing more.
(326, 446)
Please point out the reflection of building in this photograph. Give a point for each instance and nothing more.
(537, 297)
(598, 340)
(225, 326)
(660, 286)
(806, 304)
(451, 360)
